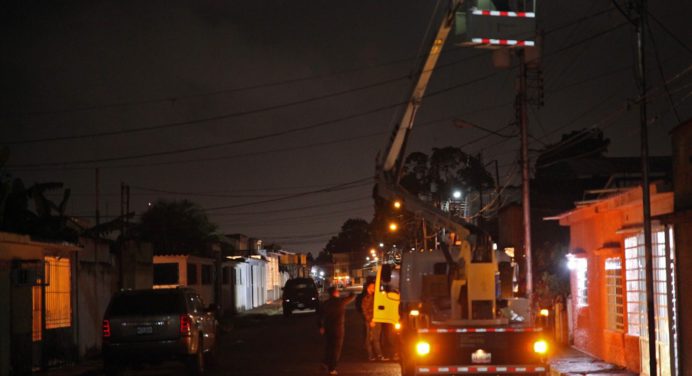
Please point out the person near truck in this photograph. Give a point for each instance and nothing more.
(373, 330)
(332, 326)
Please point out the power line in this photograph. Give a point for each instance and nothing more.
(670, 33)
(276, 134)
(300, 208)
(292, 196)
(663, 76)
(255, 138)
(335, 188)
(321, 214)
(234, 156)
(274, 107)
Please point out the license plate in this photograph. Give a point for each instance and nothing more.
(144, 330)
(481, 357)
(301, 305)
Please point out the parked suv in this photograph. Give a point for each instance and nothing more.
(300, 293)
(148, 326)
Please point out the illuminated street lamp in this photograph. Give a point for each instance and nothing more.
(397, 204)
(393, 227)
(456, 194)
(381, 245)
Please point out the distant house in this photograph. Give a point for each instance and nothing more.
(186, 270)
(608, 296)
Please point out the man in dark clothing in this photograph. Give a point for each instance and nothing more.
(373, 330)
(332, 318)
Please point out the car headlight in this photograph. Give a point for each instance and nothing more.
(423, 348)
(540, 347)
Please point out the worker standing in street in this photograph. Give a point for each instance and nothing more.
(373, 329)
(332, 321)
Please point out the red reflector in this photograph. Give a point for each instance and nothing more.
(106, 327)
(185, 325)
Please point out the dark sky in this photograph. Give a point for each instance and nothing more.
(233, 103)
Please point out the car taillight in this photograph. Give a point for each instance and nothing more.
(185, 325)
(106, 328)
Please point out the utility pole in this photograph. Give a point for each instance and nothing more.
(97, 189)
(646, 200)
(521, 111)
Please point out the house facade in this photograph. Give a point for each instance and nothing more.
(186, 270)
(38, 300)
(608, 285)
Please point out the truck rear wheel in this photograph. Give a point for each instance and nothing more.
(407, 367)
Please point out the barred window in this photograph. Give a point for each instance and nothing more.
(615, 307)
(636, 285)
(580, 267)
(58, 293)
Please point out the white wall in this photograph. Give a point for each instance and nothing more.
(96, 279)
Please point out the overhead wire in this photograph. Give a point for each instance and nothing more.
(274, 107)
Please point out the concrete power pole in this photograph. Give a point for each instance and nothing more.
(646, 200)
(522, 103)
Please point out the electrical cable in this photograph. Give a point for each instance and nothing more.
(663, 76)
(670, 33)
(279, 106)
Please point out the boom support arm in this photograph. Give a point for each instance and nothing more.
(400, 134)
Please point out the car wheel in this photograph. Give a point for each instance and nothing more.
(211, 358)
(195, 363)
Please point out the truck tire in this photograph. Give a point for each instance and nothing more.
(407, 367)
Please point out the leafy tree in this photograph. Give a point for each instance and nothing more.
(176, 226)
(446, 169)
(353, 237)
(323, 258)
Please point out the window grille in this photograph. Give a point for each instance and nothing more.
(615, 307)
(58, 293)
(635, 285)
(581, 270)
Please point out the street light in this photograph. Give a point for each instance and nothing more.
(393, 227)
(456, 194)
(397, 204)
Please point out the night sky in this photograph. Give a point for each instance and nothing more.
(250, 108)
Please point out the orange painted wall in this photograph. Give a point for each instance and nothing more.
(594, 229)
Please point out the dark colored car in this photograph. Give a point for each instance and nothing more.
(300, 293)
(149, 326)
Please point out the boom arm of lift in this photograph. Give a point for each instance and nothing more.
(398, 140)
(387, 171)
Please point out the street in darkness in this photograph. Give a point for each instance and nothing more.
(267, 343)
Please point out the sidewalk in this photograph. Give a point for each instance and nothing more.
(569, 361)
